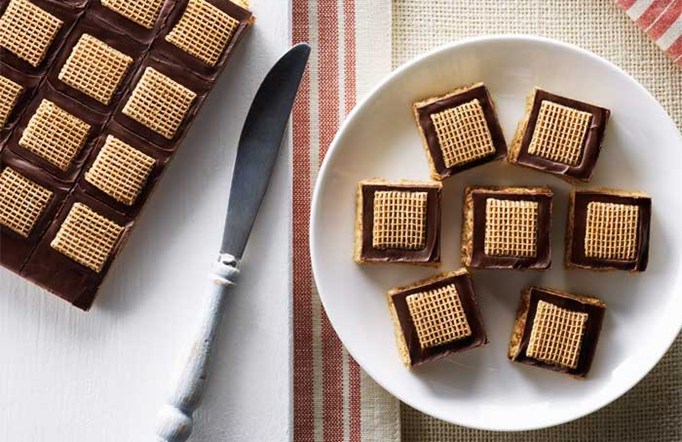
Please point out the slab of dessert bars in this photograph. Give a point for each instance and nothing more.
(95, 97)
(608, 230)
(556, 330)
(507, 227)
(559, 135)
(459, 130)
(398, 222)
(436, 317)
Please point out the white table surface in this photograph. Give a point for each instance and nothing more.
(71, 376)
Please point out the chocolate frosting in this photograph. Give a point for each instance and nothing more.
(161, 158)
(14, 248)
(112, 37)
(426, 124)
(591, 145)
(543, 260)
(95, 120)
(110, 19)
(165, 49)
(429, 254)
(68, 11)
(578, 207)
(60, 274)
(178, 74)
(529, 303)
(465, 289)
(29, 83)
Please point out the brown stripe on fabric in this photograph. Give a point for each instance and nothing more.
(303, 404)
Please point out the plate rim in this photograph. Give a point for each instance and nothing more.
(333, 148)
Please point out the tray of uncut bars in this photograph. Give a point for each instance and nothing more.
(95, 97)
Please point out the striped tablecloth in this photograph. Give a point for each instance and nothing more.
(356, 43)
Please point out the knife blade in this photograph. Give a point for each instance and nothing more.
(256, 154)
(259, 145)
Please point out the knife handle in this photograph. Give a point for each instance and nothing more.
(175, 421)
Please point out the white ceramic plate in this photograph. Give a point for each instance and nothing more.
(481, 388)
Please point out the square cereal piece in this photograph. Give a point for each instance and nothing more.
(559, 135)
(95, 68)
(143, 12)
(120, 170)
(507, 228)
(28, 31)
(29, 200)
(22, 201)
(397, 222)
(87, 237)
(54, 135)
(9, 95)
(436, 317)
(204, 31)
(557, 331)
(608, 230)
(159, 103)
(459, 130)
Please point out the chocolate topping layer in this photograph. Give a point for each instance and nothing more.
(95, 120)
(29, 83)
(161, 158)
(543, 259)
(112, 37)
(467, 296)
(60, 274)
(429, 131)
(431, 251)
(68, 11)
(108, 18)
(595, 311)
(14, 248)
(591, 145)
(165, 49)
(576, 229)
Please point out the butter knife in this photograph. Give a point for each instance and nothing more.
(256, 154)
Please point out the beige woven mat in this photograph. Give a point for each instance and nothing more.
(652, 411)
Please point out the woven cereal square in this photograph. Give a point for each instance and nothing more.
(21, 201)
(463, 134)
(9, 94)
(120, 170)
(142, 12)
(399, 220)
(54, 134)
(87, 237)
(27, 30)
(611, 231)
(95, 68)
(203, 31)
(438, 316)
(556, 336)
(511, 228)
(159, 103)
(559, 133)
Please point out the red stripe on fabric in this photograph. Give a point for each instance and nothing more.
(665, 20)
(355, 399)
(652, 13)
(626, 4)
(303, 392)
(332, 357)
(329, 74)
(675, 50)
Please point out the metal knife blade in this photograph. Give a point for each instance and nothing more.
(259, 145)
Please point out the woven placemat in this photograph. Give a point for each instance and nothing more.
(652, 411)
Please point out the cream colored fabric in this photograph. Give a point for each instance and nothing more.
(652, 411)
